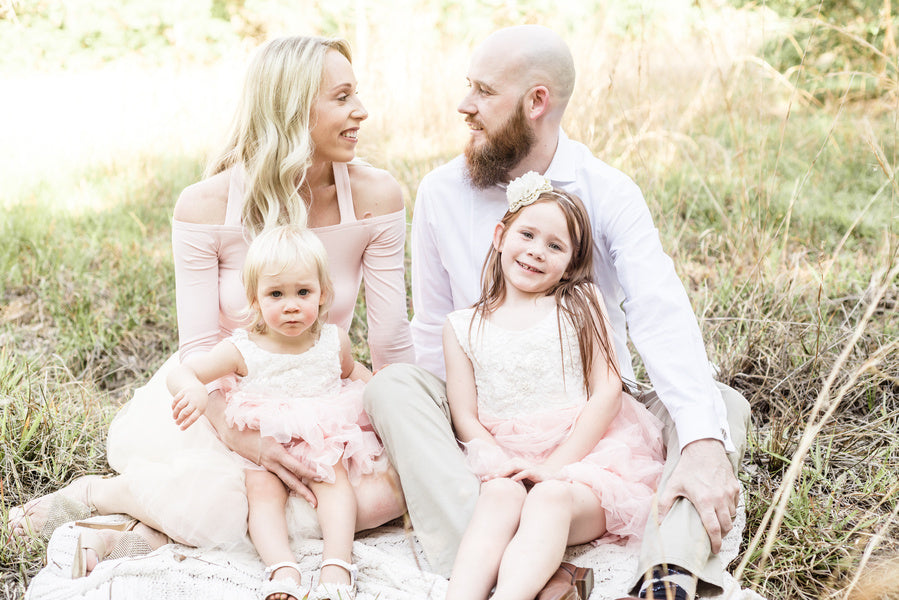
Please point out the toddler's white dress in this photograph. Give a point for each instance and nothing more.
(300, 400)
(529, 398)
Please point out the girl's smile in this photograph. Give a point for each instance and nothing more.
(535, 248)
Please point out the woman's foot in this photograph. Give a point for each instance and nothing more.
(41, 516)
(96, 545)
(283, 582)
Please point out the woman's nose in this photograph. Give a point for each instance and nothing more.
(359, 111)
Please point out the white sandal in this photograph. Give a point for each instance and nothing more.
(284, 585)
(336, 591)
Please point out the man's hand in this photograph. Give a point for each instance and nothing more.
(705, 477)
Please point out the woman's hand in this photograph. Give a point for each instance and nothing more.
(264, 451)
(289, 469)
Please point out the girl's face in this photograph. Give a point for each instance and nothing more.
(337, 112)
(536, 248)
(289, 301)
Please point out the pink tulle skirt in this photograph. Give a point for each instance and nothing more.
(318, 431)
(623, 469)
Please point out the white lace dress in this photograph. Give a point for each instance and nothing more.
(529, 398)
(300, 400)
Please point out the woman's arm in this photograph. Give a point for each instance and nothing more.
(350, 369)
(376, 194)
(461, 390)
(196, 254)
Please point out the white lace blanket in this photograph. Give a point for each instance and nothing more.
(391, 567)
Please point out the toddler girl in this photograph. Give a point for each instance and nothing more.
(282, 376)
(564, 455)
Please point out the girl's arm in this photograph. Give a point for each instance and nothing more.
(603, 404)
(350, 369)
(187, 381)
(461, 392)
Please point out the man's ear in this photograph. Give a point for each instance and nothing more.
(536, 102)
(498, 237)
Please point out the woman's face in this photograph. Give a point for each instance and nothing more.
(337, 112)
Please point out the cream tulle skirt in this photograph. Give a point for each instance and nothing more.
(187, 482)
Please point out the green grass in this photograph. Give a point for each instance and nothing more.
(780, 214)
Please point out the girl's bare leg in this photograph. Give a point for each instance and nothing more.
(555, 515)
(267, 522)
(337, 519)
(493, 525)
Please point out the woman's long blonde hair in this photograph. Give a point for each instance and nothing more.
(271, 131)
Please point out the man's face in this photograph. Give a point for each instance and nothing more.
(501, 134)
(492, 158)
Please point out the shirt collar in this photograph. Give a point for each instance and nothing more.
(562, 167)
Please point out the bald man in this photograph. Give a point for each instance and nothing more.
(521, 79)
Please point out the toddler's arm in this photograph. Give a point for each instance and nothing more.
(187, 381)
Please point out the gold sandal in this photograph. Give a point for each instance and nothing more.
(129, 545)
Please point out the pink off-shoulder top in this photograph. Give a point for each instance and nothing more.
(211, 299)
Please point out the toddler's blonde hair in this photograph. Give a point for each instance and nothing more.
(276, 250)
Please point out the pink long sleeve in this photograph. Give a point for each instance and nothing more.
(389, 337)
(209, 296)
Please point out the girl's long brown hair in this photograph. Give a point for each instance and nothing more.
(575, 294)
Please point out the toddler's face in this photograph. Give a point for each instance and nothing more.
(289, 301)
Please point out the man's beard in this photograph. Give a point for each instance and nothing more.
(490, 163)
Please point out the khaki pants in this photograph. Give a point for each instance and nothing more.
(407, 406)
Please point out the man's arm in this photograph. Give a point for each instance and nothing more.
(432, 296)
(664, 330)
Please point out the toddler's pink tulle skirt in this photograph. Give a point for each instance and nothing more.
(623, 469)
(318, 431)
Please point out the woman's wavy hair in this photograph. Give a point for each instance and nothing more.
(270, 133)
(280, 248)
(575, 293)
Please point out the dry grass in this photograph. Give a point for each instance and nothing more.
(779, 209)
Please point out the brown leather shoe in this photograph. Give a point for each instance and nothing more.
(569, 582)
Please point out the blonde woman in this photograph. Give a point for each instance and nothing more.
(289, 159)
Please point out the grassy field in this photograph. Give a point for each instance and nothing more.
(773, 189)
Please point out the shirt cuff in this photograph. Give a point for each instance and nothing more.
(694, 424)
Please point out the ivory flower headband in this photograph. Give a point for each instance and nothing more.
(525, 190)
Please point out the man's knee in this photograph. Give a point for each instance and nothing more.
(383, 388)
(737, 406)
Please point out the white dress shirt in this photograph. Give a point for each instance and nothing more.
(452, 229)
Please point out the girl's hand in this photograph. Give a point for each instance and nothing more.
(510, 469)
(537, 473)
(188, 405)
